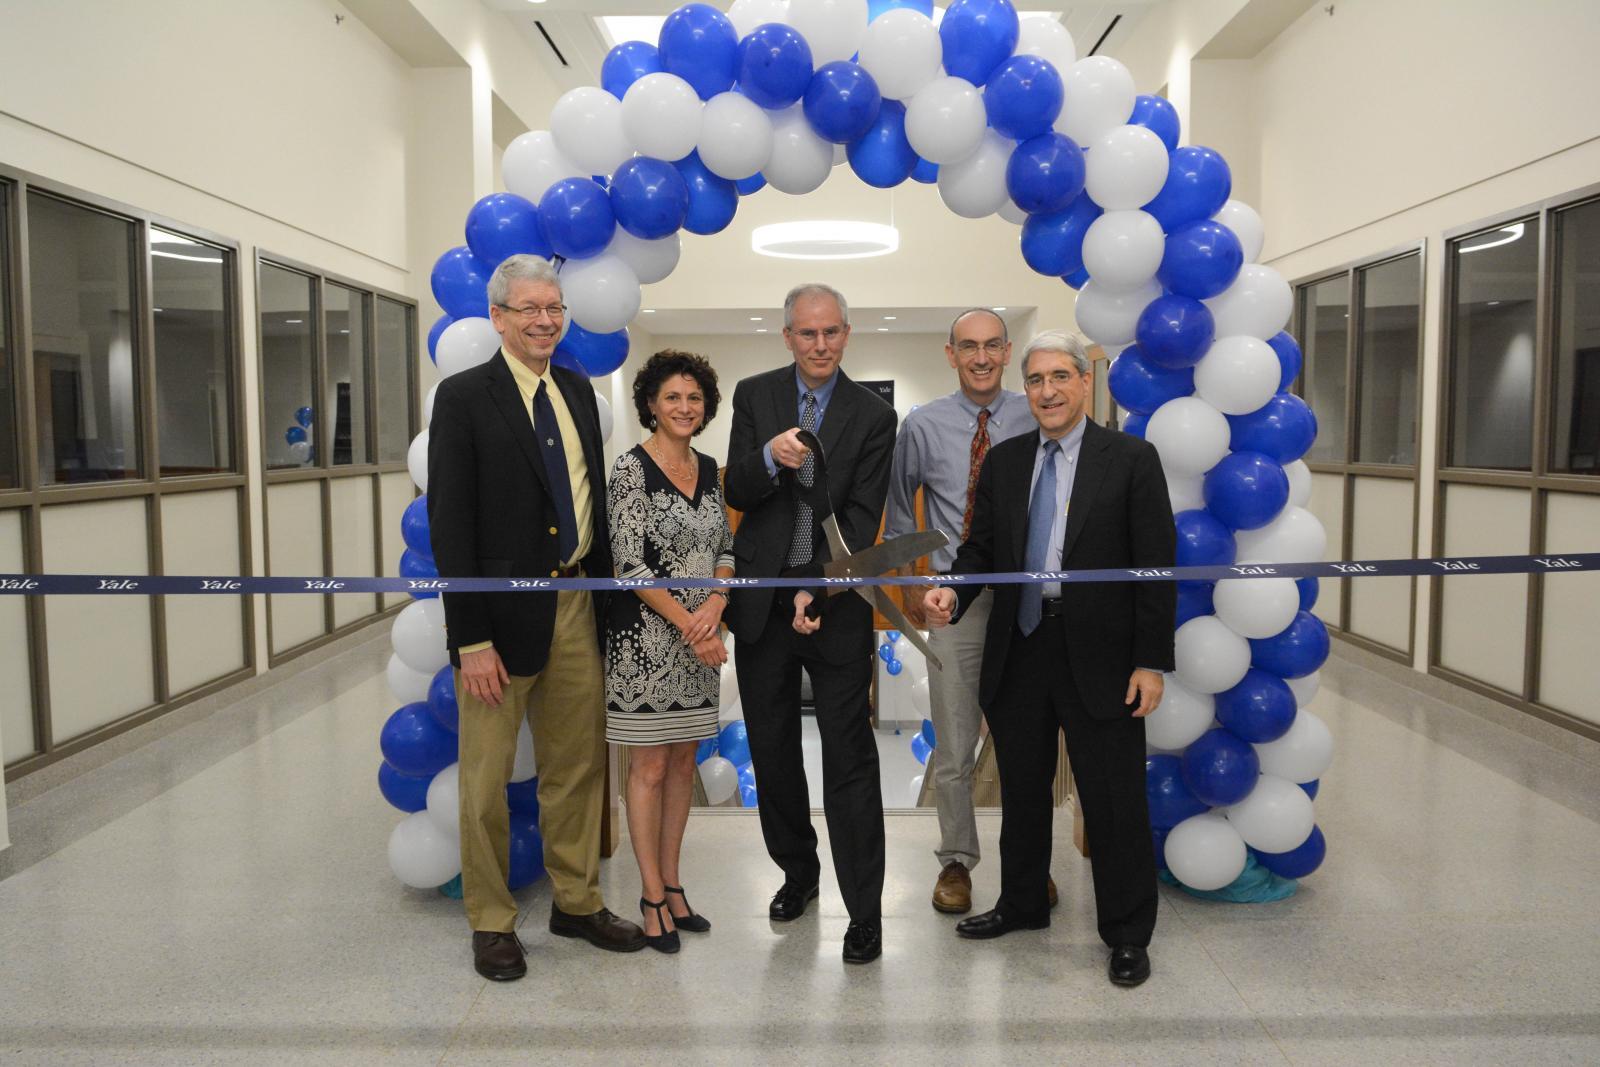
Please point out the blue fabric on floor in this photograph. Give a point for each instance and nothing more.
(1255, 885)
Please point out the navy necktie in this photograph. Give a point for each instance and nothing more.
(548, 431)
(1041, 520)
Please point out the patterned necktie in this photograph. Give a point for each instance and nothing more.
(1041, 520)
(980, 448)
(801, 547)
(548, 431)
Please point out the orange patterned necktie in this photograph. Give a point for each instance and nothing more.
(980, 448)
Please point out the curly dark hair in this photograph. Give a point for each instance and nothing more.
(669, 363)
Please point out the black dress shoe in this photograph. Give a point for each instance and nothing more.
(498, 956)
(994, 923)
(602, 930)
(789, 902)
(1129, 966)
(695, 924)
(863, 942)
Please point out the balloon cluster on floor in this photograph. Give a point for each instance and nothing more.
(724, 760)
(903, 697)
(298, 435)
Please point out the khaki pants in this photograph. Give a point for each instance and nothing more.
(565, 708)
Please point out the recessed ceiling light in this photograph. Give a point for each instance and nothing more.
(293, 322)
(883, 329)
(159, 310)
(890, 318)
(649, 311)
(1000, 309)
(344, 331)
(761, 329)
(825, 239)
(1492, 303)
(757, 318)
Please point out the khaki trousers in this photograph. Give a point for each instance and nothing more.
(564, 705)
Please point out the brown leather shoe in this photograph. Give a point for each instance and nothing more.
(952, 893)
(602, 930)
(1055, 898)
(497, 956)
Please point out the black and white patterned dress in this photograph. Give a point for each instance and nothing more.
(657, 691)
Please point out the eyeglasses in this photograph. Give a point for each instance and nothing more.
(1059, 378)
(554, 311)
(994, 347)
(831, 335)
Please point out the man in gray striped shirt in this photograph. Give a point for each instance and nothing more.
(940, 449)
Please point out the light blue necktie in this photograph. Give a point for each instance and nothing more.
(1041, 520)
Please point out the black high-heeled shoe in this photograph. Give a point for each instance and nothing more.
(695, 924)
(667, 941)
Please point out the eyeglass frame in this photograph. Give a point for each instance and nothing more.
(1058, 378)
(551, 311)
(994, 346)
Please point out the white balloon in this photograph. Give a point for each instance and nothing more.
(1125, 168)
(1304, 690)
(587, 126)
(1295, 536)
(466, 343)
(418, 636)
(1205, 852)
(1210, 657)
(975, 187)
(444, 801)
(420, 855)
(1237, 374)
(427, 404)
(1190, 434)
(801, 161)
(602, 293)
(532, 163)
(1256, 304)
(1299, 482)
(1304, 754)
(524, 766)
(1186, 491)
(1099, 98)
(833, 28)
(1181, 717)
(661, 116)
(1110, 316)
(902, 52)
(746, 15)
(1256, 607)
(720, 778)
(417, 460)
(408, 686)
(922, 697)
(914, 792)
(1012, 213)
(651, 261)
(1277, 816)
(735, 136)
(1123, 249)
(841, 155)
(946, 120)
(300, 451)
(607, 420)
(1046, 37)
(1246, 225)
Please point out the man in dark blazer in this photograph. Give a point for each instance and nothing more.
(516, 490)
(1086, 659)
(779, 535)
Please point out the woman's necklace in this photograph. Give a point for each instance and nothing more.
(677, 470)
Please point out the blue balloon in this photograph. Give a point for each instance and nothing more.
(878, 7)
(1045, 174)
(712, 199)
(842, 101)
(1053, 243)
(577, 217)
(1175, 331)
(705, 750)
(649, 198)
(1194, 600)
(774, 65)
(753, 184)
(1203, 541)
(527, 853)
(734, 743)
(1077, 279)
(1259, 709)
(977, 36)
(894, 667)
(1220, 768)
(886, 652)
(1170, 799)
(1157, 115)
(1024, 97)
(1297, 862)
(928, 734)
(1300, 649)
(442, 699)
(925, 172)
(1134, 424)
(460, 283)
(434, 331)
(626, 64)
(920, 748)
(415, 566)
(406, 792)
(1158, 839)
(294, 434)
(1309, 588)
(522, 798)
(1246, 490)
(502, 225)
(747, 776)
(416, 745)
(1198, 184)
(891, 635)
(700, 45)
(1141, 386)
(1311, 788)
(414, 527)
(304, 415)
(1289, 358)
(883, 157)
(596, 354)
(1201, 259)
(748, 797)
(1282, 428)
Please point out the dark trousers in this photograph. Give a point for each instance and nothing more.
(1037, 697)
(852, 800)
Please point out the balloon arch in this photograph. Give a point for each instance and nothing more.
(999, 112)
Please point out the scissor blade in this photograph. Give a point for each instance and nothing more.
(890, 555)
(892, 611)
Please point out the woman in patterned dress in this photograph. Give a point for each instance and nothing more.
(664, 647)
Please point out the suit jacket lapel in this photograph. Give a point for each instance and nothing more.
(1091, 469)
(840, 406)
(507, 399)
(1016, 497)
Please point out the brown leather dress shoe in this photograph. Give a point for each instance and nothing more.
(602, 930)
(952, 893)
(497, 956)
